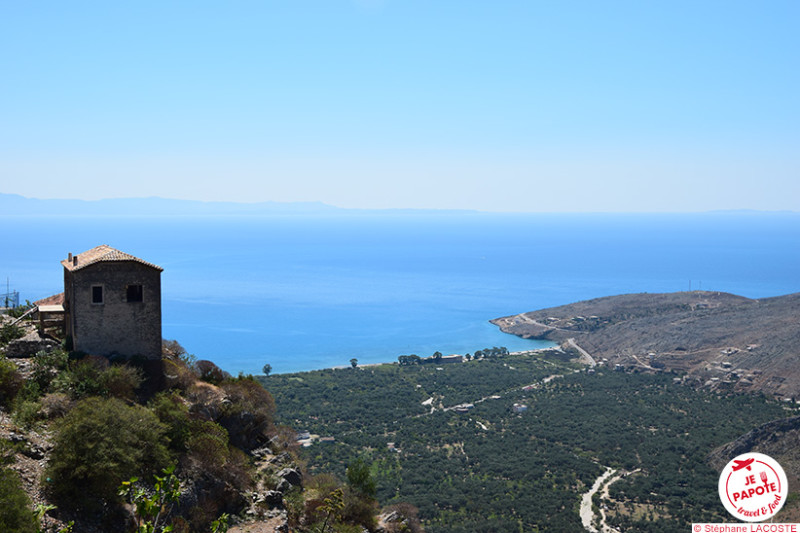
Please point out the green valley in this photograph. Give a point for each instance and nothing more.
(512, 443)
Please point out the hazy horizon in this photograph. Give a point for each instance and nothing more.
(329, 208)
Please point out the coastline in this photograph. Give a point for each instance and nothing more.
(535, 351)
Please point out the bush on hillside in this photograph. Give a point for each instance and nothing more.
(100, 443)
(208, 371)
(248, 414)
(47, 365)
(173, 412)
(10, 382)
(81, 378)
(55, 405)
(95, 376)
(26, 413)
(178, 375)
(359, 509)
(121, 381)
(207, 447)
(173, 351)
(8, 333)
(16, 513)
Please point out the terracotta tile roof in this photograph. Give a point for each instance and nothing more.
(101, 254)
(56, 299)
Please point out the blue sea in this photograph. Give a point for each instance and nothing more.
(303, 292)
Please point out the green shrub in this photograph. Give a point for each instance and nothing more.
(8, 333)
(359, 509)
(208, 451)
(81, 379)
(55, 405)
(47, 365)
(10, 382)
(121, 381)
(207, 447)
(178, 375)
(30, 391)
(18, 311)
(16, 513)
(360, 478)
(26, 413)
(92, 376)
(171, 410)
(101, 442)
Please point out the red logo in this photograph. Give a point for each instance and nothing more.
(753, 487)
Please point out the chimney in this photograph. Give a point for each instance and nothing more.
(75, 261)
(69, 257)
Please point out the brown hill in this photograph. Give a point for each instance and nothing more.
(780, 439)
(719, 340)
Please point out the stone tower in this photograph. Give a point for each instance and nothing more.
(112, 303)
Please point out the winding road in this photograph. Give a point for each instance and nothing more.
(587, 515)
(589, 359)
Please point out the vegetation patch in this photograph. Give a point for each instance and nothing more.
(526, 469)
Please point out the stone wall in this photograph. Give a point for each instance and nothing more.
(29, 345)
(116, 326)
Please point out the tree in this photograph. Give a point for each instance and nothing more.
(101, 442)
(360, 478)
(437, 356)
(354, 362)
(267, 369)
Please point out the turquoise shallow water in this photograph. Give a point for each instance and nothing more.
(307, 292)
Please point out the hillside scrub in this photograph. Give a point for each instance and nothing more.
(16, 513)
(9, 333)
(215, 432)
(10, 382)
(100, 443)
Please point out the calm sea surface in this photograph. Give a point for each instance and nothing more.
(308, 292)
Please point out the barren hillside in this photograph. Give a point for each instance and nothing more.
(720, 340)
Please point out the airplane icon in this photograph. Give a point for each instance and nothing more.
(738, 465)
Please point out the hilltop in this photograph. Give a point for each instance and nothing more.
(719, 340)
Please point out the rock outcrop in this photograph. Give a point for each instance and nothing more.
(29, 345)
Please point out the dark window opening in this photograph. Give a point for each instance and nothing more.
(97, 295)
(134, 293)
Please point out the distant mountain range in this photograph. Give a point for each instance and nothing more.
(15, 205)
(12, 204)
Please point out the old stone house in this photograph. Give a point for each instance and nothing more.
(112, 303)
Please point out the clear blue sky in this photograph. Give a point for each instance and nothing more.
(493, 105)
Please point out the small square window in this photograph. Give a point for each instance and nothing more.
(134, 293)
(97, 294)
